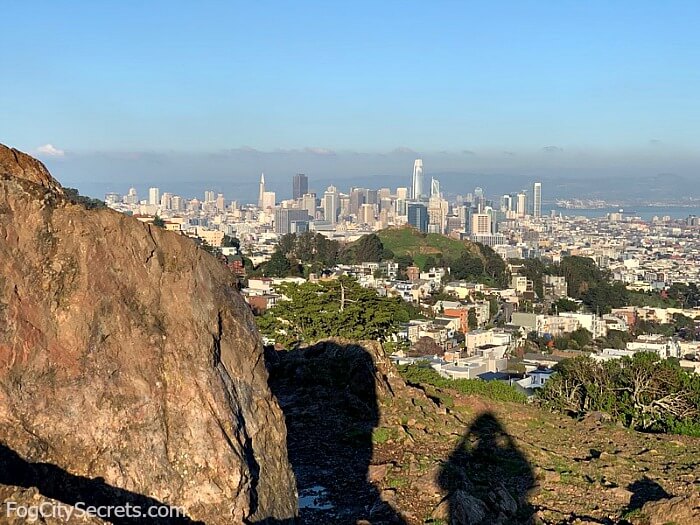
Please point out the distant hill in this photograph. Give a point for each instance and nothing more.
(466, 259)
(409, 241)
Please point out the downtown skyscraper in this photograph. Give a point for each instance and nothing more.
(261, 191)
(300, 186)
(418, 181)
(537, 200)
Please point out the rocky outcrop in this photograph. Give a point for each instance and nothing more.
(128, 359)
(681, 509)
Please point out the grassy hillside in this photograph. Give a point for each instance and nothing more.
(409, 241)
(468, 260)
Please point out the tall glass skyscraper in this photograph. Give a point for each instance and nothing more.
(300, 186)
(418, 216)
(537, 200)
(418, 181)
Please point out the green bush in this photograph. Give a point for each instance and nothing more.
(495, 390)
(643, 392)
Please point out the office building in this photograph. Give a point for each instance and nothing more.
(308, 203)
(506, 203)
(177, 203)
(418, 216)
(331, 205)
(537, 200)
(437, 214)
(261, 191)
(153, 196)
(132, 197)
(478, 200)
(358, 197)
(465, 217)
(418, 181)
(367, 214)
(481, 224)
(268, 200)
(289, 220)
(434, 188)
(371, 197)
(166, 201)
(521, 204)
(300, 186)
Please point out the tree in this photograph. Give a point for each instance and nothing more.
(685, 326)
(230, 242)
(368, 248)
(603, 296)
(582, 337)
(615, 339)
(404, 261)
(581, 274)
(287, 243)
(310, 249)
(565, 305)
(74, 196)
(387, 254)
(304, 249)
(208, 248)
(472, 321)
(534, 270)
(158, 221)
(466, 266)
(494, 306)
(644, 392)
(688, 295)
(339, 308)
(494, 265)
(278, 265)
(425, 346)
(428, 263)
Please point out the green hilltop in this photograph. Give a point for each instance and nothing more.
(428, 249)
(409, 241)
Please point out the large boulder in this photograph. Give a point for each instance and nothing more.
(128, 361)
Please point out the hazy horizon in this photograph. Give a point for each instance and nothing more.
(187, 97)
(236, 172)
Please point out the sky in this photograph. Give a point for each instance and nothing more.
(186, 94)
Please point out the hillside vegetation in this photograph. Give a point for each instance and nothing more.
(466, 259)
(419, 246)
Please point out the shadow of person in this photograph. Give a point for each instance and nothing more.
(56, 483)
(486, 478)
(644, 490)
(328, 393)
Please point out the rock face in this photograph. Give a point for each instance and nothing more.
(127, 355)
(681, 509)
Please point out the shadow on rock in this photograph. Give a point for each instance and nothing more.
(328, 393)
(486, 478)
(645, 490)
(55, 483)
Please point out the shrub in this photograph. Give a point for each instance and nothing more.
(496, 390)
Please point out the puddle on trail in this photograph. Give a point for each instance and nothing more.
(314, 498)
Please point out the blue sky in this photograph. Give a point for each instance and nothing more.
(605, 86)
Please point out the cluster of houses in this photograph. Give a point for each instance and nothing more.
(463, 341)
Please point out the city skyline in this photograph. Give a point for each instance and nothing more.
(507, 89)
(415, 191)
(320, 262)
